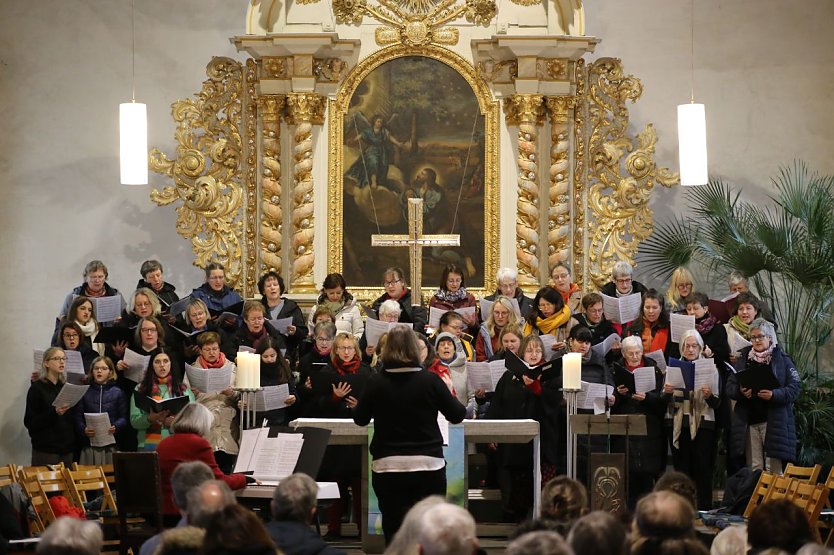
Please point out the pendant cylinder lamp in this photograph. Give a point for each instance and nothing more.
(133, 143)
(133, 126)
(692, 144)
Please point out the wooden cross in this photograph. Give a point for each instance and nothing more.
(415, 241)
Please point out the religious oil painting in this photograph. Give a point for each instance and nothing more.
(413, 128)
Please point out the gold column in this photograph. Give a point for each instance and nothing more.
(527, 112)
(579, 168)
(560, 110)
(270, 108)
(303, 110)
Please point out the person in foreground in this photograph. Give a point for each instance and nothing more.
(205, 501)
(69, 535)
(663, 524)
(407, 447)
(293, 509)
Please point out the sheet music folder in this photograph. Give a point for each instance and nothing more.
(312, 450)
(599, 424)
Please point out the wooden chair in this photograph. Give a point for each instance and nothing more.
(811, 498)
(829, 483)
(808, 474)
(8, 475)
(759, 494)
(86, 485)
(109, 473)
(42, 515)
(783, 487)
(140, 493)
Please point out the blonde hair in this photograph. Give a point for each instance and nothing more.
(47, 354)
(680, 275)
(350, 339)
(513, 318)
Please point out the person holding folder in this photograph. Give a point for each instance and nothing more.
(452, 295)
(764, 386)
(652, 327)
(217, 295)
(159, 384)
(407, 447)
(50, 428)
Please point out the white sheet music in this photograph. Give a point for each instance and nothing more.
(591, 393)
(137, 365)
(280, 325)
(548, 341)
(436, 313)
(729, 297)
(622, 309)
(680, 323)
(443, 424)
(485, 375)
(70, 394)
(245, 349)
(374, 329)
(107, 308)
(706, 374)
(74, 364)
(275, 457)
(37, 358)
(659, 358)
(737, 342)
(271, 397)
(674, 377)
(467, 311)
(248, 441)
(100, 422)
(210, 380)
(604, 348)
(644, 379)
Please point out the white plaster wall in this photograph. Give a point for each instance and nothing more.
(763, 68)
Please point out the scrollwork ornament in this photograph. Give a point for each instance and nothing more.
(349, 12)
(480, 12)
(207, 171)
(526, 3)
(622, 170)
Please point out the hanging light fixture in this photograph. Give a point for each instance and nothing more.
(692, 127)
(133, 127)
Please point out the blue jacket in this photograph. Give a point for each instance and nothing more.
(780, 438)
(107, 398)
(216, 300)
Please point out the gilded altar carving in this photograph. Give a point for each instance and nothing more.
(526, 111)
(207, 172)
(579, 168)
(272, 214)
(250, 128)
(560, 110)
(622, 170)
(274, 67)
(303, 110)
(549, 69)
(329, 70)
(498, 71)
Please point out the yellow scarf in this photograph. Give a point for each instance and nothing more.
(551, 323)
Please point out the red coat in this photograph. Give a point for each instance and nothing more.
(178, 448)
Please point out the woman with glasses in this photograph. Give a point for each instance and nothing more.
(95, 285)
(452, 295)
(341, 304)
(551, 316)
(764, 386)
(71, 338)
(622, 281)
(680, 289)
(217, 295)
(254, 330)
(396, 289)
(144, 303)
(691, 424)
(561, 281)
(312, 363)
(50, 428)
(501, 316)
(198, 321)
(593, 318)
(336, 392)
(272, 288)
(507, 281)
(82, 314)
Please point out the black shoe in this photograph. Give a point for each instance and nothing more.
(332, 537)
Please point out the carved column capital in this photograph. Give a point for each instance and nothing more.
(271, 106)
(560, 108)
(305, 107)
(524, 108)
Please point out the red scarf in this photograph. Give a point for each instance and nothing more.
(219, 363)
(442, 370)
(256, 338)
(88, 293)
(319, 351)
(405, 292)
(566, 296)
(654, 339)
(349, 367)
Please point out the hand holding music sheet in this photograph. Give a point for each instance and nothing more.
(100, 422)
(280, 325)
(70, 394)
(706, 374)
(621, 310)
(485, 375)
(674, 377)
(107, 309)
(605, 347)
(210, 380)
(272, 397)
(679, 323)
(644, 380)
(136, 365)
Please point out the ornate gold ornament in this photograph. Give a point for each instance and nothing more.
(622, 171)
(275, 68)
(270, 109)
(549, 69)
(526, 2)
(560, 109)
(329, 70)
(339, 108)
(415, 28)
(579, 168)
(303, 110)
(491, 71)
(526, 111)
(250, 127)
(207, 169)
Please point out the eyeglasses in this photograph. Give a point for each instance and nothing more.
(623, 280)
(323, 340)
(148, 330)
(346, 348)
(70, 336)
(684, 285)
(392, 282)
(142, 305)
(759, 337)
(59, 359)
(561, 276)
(255, 319)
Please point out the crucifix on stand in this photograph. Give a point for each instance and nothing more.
(415, 241)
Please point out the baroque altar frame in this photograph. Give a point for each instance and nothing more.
(337, 110)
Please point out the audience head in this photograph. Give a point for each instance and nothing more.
(207, 500)
(631, 348)
(81, 310)
(447, 529)
(761, 328)
(95, 275)
(268, 281)
(187, 476)
(691, 345)
(747, 307)
(69, 335)
(149, 333)
(541, 542)
(531, 350)
(102, 370)
(548, 302)
(405, 540)
(389, 311)
(159, 368)
(71, 536)
(598, 532)
(295, 498)
(622, 275)
(779, 524)
(507, 281)
(564, 499)
(234, 529)
(732, 540)
(323, 335)
(654, 308)
(194, 418)
(681, 285)
(560, 277)
(54, 361)
(510, 339)
(502, 315)
(580, 339)
(323, 314)
(663, 523)
(680, 483)
(452, 322)
(345, 348)
(151, 271)
(401, 349)
(254, 315)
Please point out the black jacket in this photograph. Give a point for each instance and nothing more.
(168, 294)
(296, 538)
(50, 432)
(409, 314)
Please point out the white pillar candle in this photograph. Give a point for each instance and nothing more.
(572, 371)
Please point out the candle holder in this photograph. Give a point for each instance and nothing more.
(248, 397)
(571, 407)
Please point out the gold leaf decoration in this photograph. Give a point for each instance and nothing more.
(207, 170)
